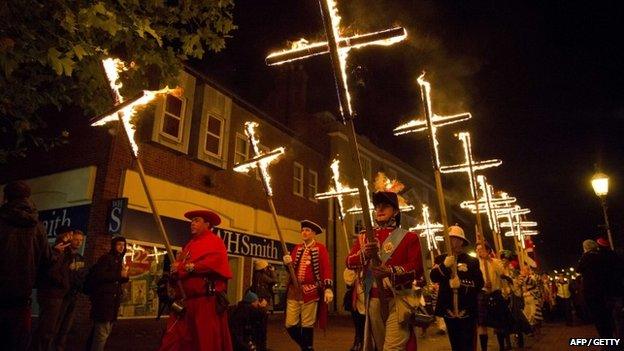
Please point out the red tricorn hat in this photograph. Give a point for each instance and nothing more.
(208, 216)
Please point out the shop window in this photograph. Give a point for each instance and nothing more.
(298, 179)
(312, 184)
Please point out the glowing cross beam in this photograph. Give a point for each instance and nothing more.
(522, 224)
(261, 162)
(432, 121)
(339, 191)
(429, 230)
(302, 49)
(470, 166)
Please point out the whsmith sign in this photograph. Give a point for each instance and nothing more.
(243, 244)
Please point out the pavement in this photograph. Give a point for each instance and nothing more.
(145, 334)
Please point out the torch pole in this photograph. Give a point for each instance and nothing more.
(155, 214)
(603, 203)
(291, 270)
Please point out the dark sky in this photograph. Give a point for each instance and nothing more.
(543, 80)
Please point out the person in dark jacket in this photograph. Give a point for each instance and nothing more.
(108, 274)
(245, 322)
(77, 273)
(263, 280)
(597, 279)
(24, 249)
(52, 285)
(461, 325)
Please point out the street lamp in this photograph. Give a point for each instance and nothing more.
(600, 183)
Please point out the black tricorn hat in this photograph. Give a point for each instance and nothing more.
(306, 223)
(386, 197)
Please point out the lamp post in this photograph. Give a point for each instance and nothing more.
(600, 183)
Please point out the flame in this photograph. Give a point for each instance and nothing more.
(260, 161)
(429, 229)
(299, 44)
(112, 67)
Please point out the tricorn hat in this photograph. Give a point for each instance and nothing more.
(306, 223)
(207, 215)
(386, 197)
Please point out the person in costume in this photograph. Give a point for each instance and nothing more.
(308, 302)
(401, 263)
(203, 271)
(493, 309)
(461, 325)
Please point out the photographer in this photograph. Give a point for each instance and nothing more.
(245, 322)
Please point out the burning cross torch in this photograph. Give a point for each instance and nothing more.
(428, 231)
(261, 161)
(519, 228)
(470, 167)
(430, 124)
(338, 48)
(123, 112)
(338, 191)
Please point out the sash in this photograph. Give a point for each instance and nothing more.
(390, 244)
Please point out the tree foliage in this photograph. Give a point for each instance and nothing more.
(51, 52)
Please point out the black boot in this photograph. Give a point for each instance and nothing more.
(307, 339)
(501, 341)
(295, 334)
(483, 339)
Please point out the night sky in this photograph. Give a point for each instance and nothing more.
(543, 80)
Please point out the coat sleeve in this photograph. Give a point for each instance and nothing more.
(355, 259)
(413, 265)
(439, 272)
(211, 258)
(326, 271)
(105, 272)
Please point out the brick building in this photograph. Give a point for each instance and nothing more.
(188, 146)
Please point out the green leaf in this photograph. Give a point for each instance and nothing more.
(55, 61)
(79, 51)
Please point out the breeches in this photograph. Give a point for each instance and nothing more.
(298, 311)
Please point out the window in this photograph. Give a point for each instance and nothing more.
(312, 184)
(241, 149)
(298, 179)
(173, 117)
(214, 136)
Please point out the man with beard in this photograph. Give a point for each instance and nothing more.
(401, 264)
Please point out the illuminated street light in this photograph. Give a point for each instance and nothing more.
(600, 183)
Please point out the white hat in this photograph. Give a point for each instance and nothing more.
(457, 232)
(260, 265)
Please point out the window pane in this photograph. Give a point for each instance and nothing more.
(171, 126)
(173, 105)
(214, 125)
(212, 144)
(241, 146)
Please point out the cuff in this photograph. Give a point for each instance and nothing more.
(328, 283)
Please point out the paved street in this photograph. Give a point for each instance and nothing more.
(138, 335)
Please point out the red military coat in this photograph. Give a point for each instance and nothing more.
(312, 269)
(200, 327)
(405, 261)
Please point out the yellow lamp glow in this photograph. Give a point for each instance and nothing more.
(600, 183)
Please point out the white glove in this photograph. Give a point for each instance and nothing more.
(287, 259)
(449, 261)
(329, 296)
(454, 282)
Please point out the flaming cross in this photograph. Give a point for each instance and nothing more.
(338, 191)
(261, 162)
(429, 231)
(123, 112)
(430, 124)
(470, 166)
(517, 228)
(338, 49)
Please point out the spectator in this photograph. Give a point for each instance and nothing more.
(104, 283)
(52, 285)
(24, 249)
(263, 280)
(77, 274)
(245, 322)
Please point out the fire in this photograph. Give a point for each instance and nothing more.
(260, 161)
(429, 229)
(112, 67)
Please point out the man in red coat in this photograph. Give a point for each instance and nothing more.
(314, 275)
(399, 251)
(203, 270)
